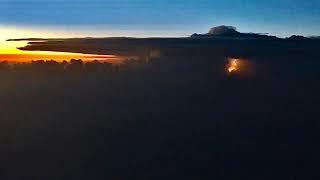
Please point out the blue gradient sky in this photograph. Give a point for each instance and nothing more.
(162, 17)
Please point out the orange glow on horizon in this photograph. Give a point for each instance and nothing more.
(59, 58)
(16, 55)
(10, 53)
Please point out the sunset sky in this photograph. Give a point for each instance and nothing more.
(145, 18)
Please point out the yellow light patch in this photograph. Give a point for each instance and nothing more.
(233, 65)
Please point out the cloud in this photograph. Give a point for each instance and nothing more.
(237, 44)
(100, 46)
(223, 30)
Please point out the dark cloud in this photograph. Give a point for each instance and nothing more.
(230, 42)
(223, 30)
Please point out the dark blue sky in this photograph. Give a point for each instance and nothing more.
(279, 17)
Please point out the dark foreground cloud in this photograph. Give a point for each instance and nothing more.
(175, 118)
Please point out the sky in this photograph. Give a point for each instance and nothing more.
(161, 17)
(151, 18)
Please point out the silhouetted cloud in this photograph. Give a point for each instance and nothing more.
(197, 45)
(223, 30)
(297, 37)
